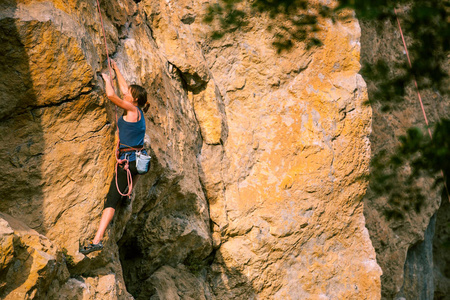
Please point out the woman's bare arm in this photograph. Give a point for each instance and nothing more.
(122, 83)
(113, 96)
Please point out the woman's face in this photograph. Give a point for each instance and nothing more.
(128, 97)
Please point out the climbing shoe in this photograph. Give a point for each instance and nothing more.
(91, 248)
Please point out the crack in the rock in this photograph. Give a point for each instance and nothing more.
(62, 140)
(31, 108)
(68, 100)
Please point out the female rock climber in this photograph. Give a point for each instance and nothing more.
(131, 135)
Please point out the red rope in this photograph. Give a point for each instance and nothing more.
(415, 82)
(118, 161)
(418, 94)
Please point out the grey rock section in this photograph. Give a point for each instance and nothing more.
(441, 251)
(418, 280)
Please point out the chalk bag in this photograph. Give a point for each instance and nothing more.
(142, 162)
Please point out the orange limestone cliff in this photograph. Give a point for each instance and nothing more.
(258, 158)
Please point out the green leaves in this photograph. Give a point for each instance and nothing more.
(291, 21)
(228, 17)
(398, 176)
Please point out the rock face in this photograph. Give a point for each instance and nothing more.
(258, 158)
(285, 201)
(58, 137)
(403, 246)
(30, 265)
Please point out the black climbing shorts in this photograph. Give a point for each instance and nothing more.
(113, 197)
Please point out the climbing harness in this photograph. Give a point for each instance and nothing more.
(418, 95)
(117, 151)
(142, 159)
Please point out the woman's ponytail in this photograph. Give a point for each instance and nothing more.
(146, 107)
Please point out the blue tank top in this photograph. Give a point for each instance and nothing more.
(131, 134)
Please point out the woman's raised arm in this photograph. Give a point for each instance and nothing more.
(122, 83)
(113, 96)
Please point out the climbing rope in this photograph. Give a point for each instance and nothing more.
(418, 95)
(118, 161)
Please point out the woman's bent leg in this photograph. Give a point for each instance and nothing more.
(108, 214)
(113, 199)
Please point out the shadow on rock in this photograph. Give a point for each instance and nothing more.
(22, 143)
